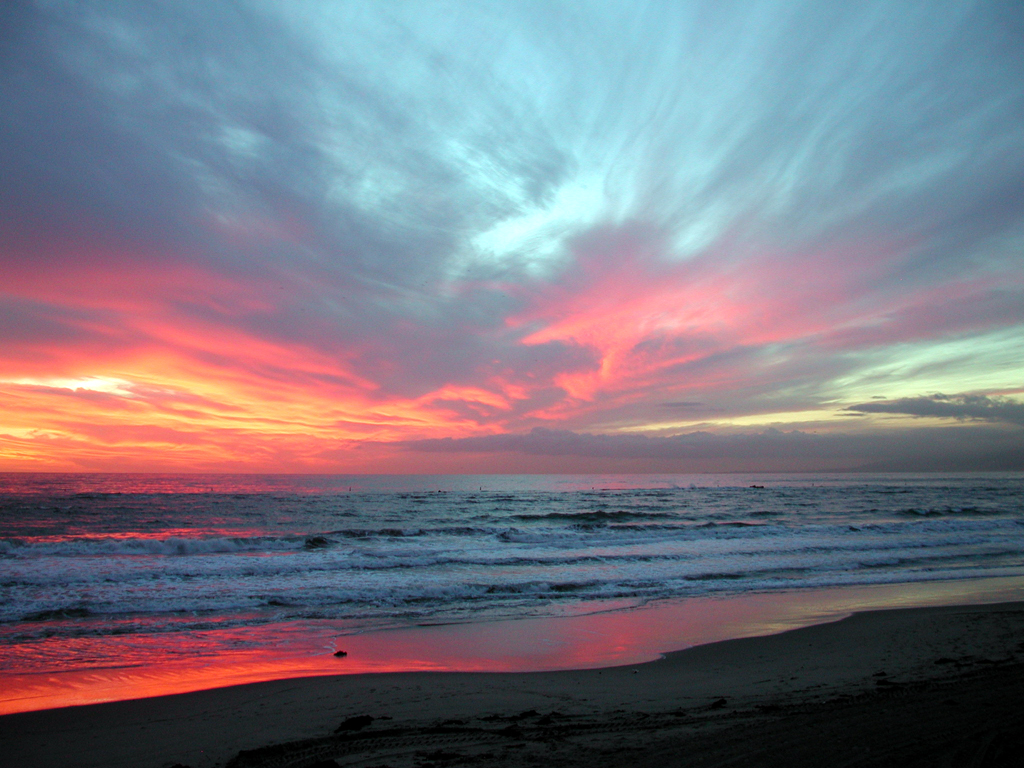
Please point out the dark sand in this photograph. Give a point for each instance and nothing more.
(909, 687)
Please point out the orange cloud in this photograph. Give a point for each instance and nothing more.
(123, 359)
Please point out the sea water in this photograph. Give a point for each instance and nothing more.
(117, 571)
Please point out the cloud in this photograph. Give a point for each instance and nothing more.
(961, 407)
(768, 450)
(478, 218)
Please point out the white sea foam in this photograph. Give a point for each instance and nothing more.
(98, 563)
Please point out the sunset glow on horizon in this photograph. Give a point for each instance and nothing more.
(511, 237)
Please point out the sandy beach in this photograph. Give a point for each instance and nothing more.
(921, 686)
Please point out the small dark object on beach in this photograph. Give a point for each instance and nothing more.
(718, 704)
(356, 723)
(757, 486)
(341, 654)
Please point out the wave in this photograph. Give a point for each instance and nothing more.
(333, 600)
(391, 588)
(584, 531)
(174, 545)
(594, 516)
(105, 565)
(951, 512)
(179, 545)
(58, 614)
(369, 533)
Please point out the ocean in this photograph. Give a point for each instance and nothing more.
(118, 571)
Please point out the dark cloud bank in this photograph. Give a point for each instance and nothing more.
(954, 448)
(961, 407)
(994, 446)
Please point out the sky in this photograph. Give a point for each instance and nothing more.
(492, 236)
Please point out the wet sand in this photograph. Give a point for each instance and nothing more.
(923, 686)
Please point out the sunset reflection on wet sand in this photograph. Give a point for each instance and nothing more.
(606, 639)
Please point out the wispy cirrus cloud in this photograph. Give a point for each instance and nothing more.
(365, 222)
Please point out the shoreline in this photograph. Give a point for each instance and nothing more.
(869, 654)
(594, 640)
